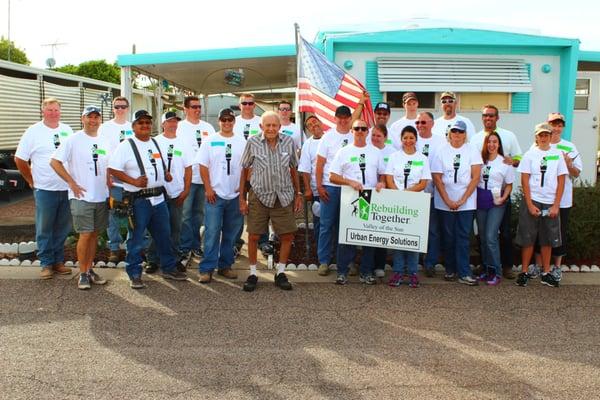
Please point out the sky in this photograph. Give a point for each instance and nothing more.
(105, 29)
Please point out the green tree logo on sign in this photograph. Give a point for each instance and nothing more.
(361, 207)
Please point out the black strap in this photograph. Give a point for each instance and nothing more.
(161, 158)
(138, 159)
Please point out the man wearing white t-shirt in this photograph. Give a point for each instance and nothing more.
(144, 180)
(360, 166)
(115, 131)
(442, 124)
(512, 156)
(307, 165)
(179, 161)
(288, 128)
(81, 161)
(193, 131)
(52, 212)
(220, 165)
(247, 123)
(329, 193)
(429, 144)
(410, 102)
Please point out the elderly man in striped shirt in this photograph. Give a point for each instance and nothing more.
(274, 194)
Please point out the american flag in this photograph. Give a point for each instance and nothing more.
(323, 87)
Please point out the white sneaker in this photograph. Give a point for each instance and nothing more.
(379, 273)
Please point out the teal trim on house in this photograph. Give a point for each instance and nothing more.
(372, 82)
(590, 56)
(206, 55)
(520, 102)
(568, 78)
(440, 49)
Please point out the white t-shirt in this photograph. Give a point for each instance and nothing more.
(510, 144)
(386, 152)
(194, 134)
(177, 158)
(350, 162)
(455, 166)
(396, 129)
(441, 126)
(247, 127)
(222, 156)
(115, 133)
(308, 160)
(429, 147)
(123, 160)
(497, 174)
(408, 169)
(543, 186)
(292, 130)
(569, 148)
(37, 144)
(86, 159)
(329, 145)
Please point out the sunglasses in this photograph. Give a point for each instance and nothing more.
(285, 109)
(360, 128)
(488, 115)
(195, 106)
(456, 131)
(420, 122)
(448, 101)
(226, 120)
(247, 103)
(120, 107)
(144, 122)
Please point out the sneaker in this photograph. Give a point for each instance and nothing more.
(185, 259)
(493, 280)
(267, 250)
(323, 270)
(379, 273)
(136, 283)
(95, 278)
(197, 253)
(282, 282)
(84, 282)
(175, 275)
(533, 271)
(341, 279)
(522, 279)
(507, 273)
(227, 273)
(413, 281)
(556, 273)
(548, 280)
(467, 280)
(395, 280)
(483, 277)
(114, 257)
(367, 279)
(429, 272)
(205, 277)
(450, 277)
(236, 251)
(353, 270)
(151, 268)
(46, 273)
(61, 269)
(180, 267)
(250, 283)
(478, 270)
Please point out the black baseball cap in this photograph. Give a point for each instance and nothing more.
(169, 115)
(343, 111)
(382, 106)
(226, 112)
(139, 114)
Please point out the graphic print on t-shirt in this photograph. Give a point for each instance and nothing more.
(228, 157)
(169, 156)
(362, 164)
(246, 131)
(543, 169)
(153, 162)
(95, 158)
(199, 137)
(456, 165)
(344, 142)
(56, 140)
(425, 150)
(407, 168)
(486, 176)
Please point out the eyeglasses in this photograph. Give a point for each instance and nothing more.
(247, 103)
(448, 101)
(360, 128)
(456, 131)
(226, 120)
(195, 106)
(420, 122)
(489, 115)
(285, 109)
(120, 107)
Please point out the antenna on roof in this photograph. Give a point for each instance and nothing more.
(51, 62)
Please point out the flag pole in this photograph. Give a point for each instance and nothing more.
(300, 123)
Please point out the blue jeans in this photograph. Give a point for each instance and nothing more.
(347, 253)
(488, 224)
(175, 223)
(328, 227)
(222, 221)
(456, 229)
(506, 237)
(193, 218)
(434, 238)
(405, 259)
(156, 220)
(53, 224)
(114, 231)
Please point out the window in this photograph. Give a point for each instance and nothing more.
(582, 94)
(426, 99)
(476, 101)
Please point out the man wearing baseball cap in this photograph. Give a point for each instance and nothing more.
(85, 156)
(448, 102)
(410, 103)
(139, 163)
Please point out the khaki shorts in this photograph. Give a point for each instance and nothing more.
(89, 217)
(282, 218)
(545, 229)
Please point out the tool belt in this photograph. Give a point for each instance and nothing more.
(148, 192)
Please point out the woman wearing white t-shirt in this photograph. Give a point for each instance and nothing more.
(407, 170)
(495, 185)
(455, 169)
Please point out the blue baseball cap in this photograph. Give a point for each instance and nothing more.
(459, 126)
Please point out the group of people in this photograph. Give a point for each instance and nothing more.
(116, 173)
